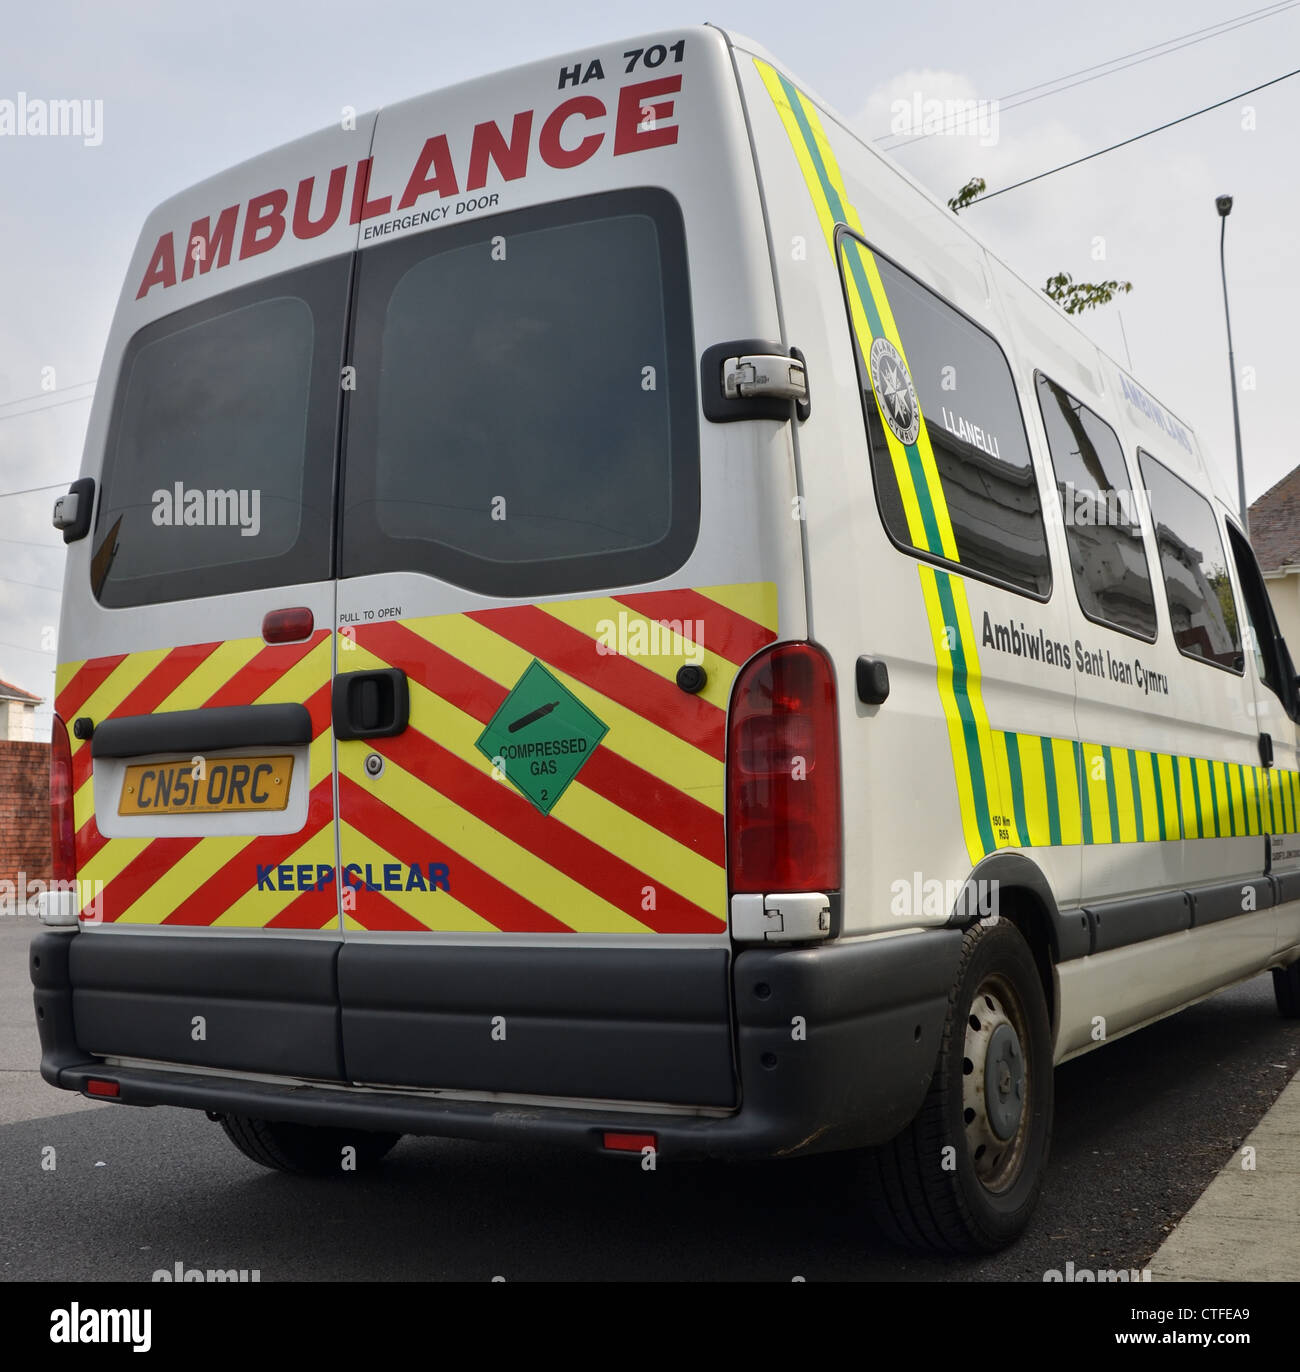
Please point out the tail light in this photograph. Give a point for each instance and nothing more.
(784, 821)
(62, 829)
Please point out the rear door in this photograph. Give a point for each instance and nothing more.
(551, 571)
(203, 749)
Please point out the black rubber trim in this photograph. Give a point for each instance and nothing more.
(1071, 929)
(1288, 886)
(609, 1023)
(197, 731)
(1223, 900)
(1119, 923)
(266, 1004)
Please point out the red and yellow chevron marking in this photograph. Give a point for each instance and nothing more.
(634, 845)
(204, 881)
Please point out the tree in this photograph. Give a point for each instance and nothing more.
(1072, 296)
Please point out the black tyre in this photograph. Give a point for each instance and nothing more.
(307, 1149)
(965, 1175)
(1286, 989)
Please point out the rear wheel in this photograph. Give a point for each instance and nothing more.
(965, 1175)
(1286, 989)
(309, 1150)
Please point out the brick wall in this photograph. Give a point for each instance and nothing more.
(24, 810)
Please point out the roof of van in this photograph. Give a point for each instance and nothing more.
(1219, 488)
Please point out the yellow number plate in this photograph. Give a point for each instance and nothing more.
(222, 784)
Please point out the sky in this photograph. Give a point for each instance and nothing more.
(189, 90)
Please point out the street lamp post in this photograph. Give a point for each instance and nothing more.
(1223, 204)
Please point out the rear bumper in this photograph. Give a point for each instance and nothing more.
(834, 1047)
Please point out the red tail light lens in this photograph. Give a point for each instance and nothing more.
(63, 854)
(784, 817)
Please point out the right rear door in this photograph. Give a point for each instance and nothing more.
(538, 533)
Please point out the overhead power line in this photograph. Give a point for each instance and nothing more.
(42, 409)
(34, 490)
(42, 395)
(1137, 137)
(1059, 84)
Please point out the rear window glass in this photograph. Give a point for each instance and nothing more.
(525, 417)
(971, 417)
(1195, 569)
(218, 467)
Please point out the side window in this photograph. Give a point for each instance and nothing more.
(1261, 623)
(1195, 569)
(1107, 553)
(953, 473)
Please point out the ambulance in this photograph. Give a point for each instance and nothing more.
(597, 611)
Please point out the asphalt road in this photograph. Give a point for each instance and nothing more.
(1142, 1127)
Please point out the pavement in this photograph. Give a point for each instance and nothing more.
(1246, 1225)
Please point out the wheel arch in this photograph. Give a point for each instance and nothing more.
(1010, 886)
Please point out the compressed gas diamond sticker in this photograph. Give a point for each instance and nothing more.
(541, 736)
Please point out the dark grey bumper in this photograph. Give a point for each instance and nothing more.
(833, 1045)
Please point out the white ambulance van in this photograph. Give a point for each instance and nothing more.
(597, 611)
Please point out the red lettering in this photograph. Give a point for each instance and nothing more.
(304, 226)
(264, 225)
(554, 153)
(216, 244)
(161, 269)
(639, 124)
(435, 156)
(489, 144)
(361, 207)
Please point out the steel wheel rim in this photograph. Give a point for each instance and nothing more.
(996, 1085)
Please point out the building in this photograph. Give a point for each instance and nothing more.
(1275, 536)
(17, 714)
(24, 789)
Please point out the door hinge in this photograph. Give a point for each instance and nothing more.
(751, 378)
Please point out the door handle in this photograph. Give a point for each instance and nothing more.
(371, 704)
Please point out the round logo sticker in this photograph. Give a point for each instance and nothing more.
(895, 394)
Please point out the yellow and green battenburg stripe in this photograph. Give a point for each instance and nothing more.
(1015, 790)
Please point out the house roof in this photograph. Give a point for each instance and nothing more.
(11, 692)
(1275, 524)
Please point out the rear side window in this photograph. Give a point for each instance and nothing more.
(529, 422)
(971, 417)
(1195, 569)
(219, 463)
(1107, 552)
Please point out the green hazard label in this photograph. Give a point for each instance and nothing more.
(541, 736)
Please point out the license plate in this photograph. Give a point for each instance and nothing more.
(220, 785)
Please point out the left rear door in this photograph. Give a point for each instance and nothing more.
(203, 803)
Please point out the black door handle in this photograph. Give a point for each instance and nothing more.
(371, 704)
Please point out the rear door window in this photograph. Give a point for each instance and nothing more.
(1195, 569)
(218, 470)
(525, 414)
